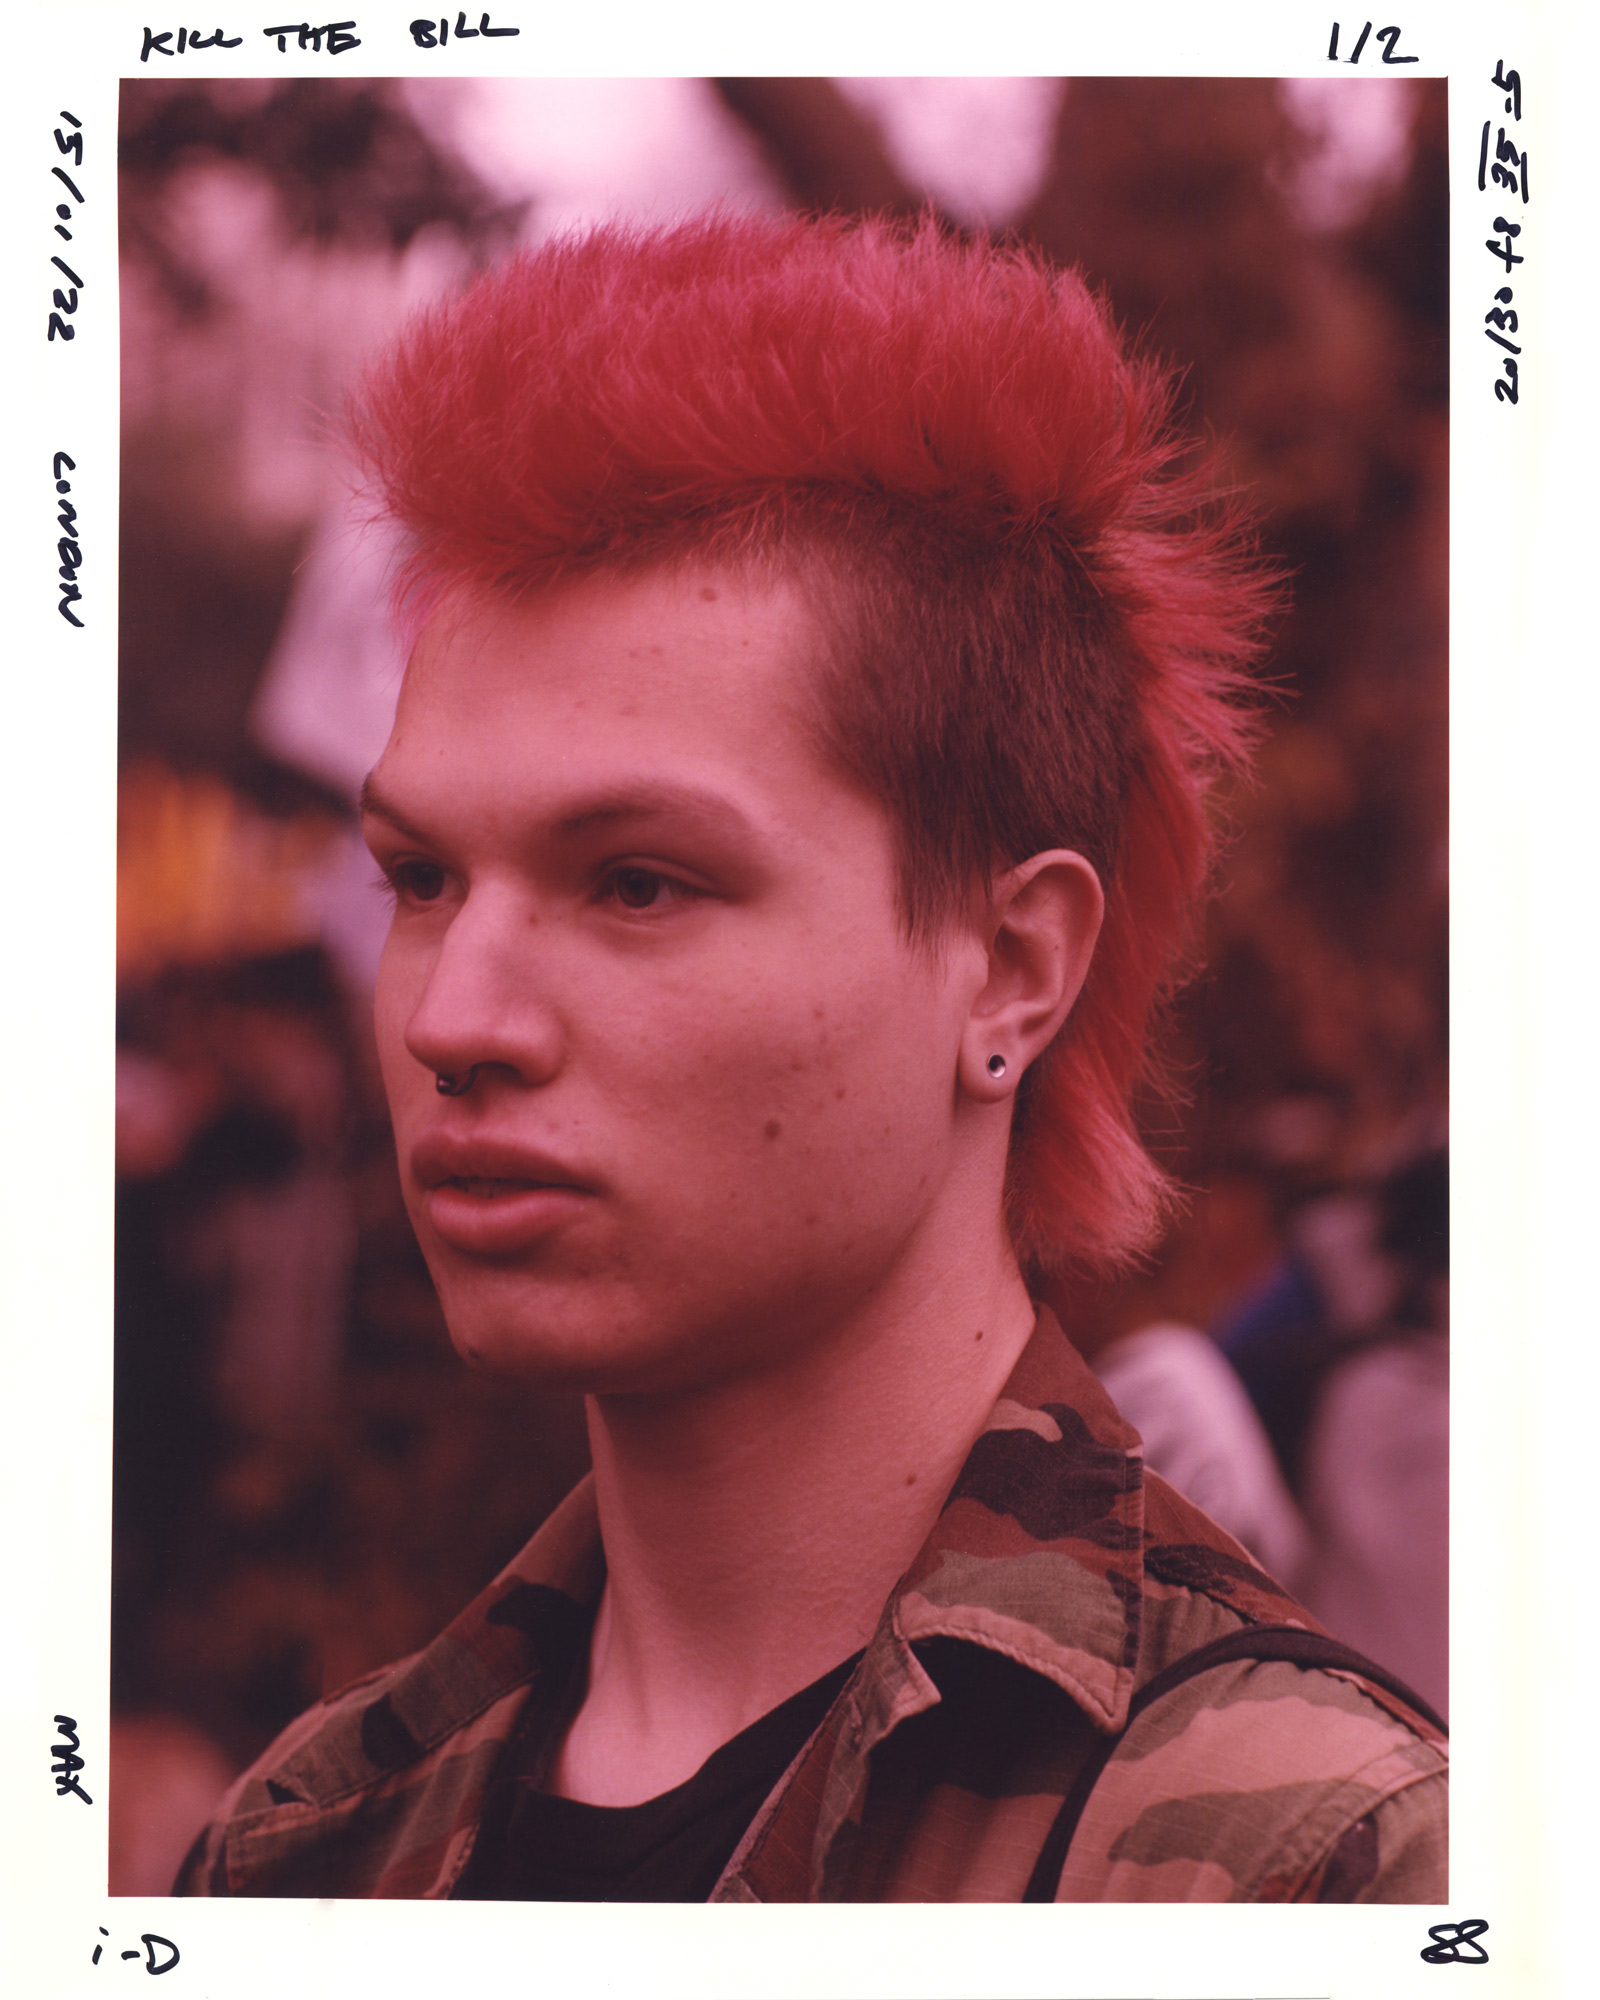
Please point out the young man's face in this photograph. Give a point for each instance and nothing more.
(715, 1098)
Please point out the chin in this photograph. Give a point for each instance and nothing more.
(540, 1344)
(567, 1338)
(588, 1347)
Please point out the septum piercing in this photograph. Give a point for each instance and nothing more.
(996, 1066)
(454, 1086)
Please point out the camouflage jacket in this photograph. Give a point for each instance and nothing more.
(1058, 1579)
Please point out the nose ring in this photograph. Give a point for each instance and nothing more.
(454, 1086)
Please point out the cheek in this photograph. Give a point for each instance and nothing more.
(803, 1084)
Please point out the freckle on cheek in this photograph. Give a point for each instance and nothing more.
(772, 1128)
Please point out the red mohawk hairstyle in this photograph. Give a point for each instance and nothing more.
(1040, 628)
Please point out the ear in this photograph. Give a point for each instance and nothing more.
(1043, 918)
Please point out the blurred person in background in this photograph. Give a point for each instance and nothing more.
(796, 804)
(1344, 1348)
(1200, 1430)
(1312, 1419)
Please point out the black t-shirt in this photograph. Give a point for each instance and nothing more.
(535, 1847)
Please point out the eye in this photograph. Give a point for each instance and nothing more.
(640, 888)
(635, 887)
(416, 881)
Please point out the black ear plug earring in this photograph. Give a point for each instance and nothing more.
(997, 1067)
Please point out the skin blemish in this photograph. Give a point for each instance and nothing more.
(839, 1094)
(911, 1479)
(772, 1128)
(707, 594)
(979, 1334)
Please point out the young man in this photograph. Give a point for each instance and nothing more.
(793, 811)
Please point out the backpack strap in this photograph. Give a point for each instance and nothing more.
(1292, 1643)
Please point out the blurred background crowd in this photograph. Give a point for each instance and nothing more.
(306, 1482)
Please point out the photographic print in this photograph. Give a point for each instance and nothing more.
(770, 769)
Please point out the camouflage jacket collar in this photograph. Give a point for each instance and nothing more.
(1038, 1552)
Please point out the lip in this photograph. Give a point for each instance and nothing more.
(494, 1197)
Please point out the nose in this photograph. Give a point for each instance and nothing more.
(487, 1002)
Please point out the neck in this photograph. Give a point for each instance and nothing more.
(754, 1528)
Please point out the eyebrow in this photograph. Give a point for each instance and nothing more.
(709, 810)
(371, 803)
